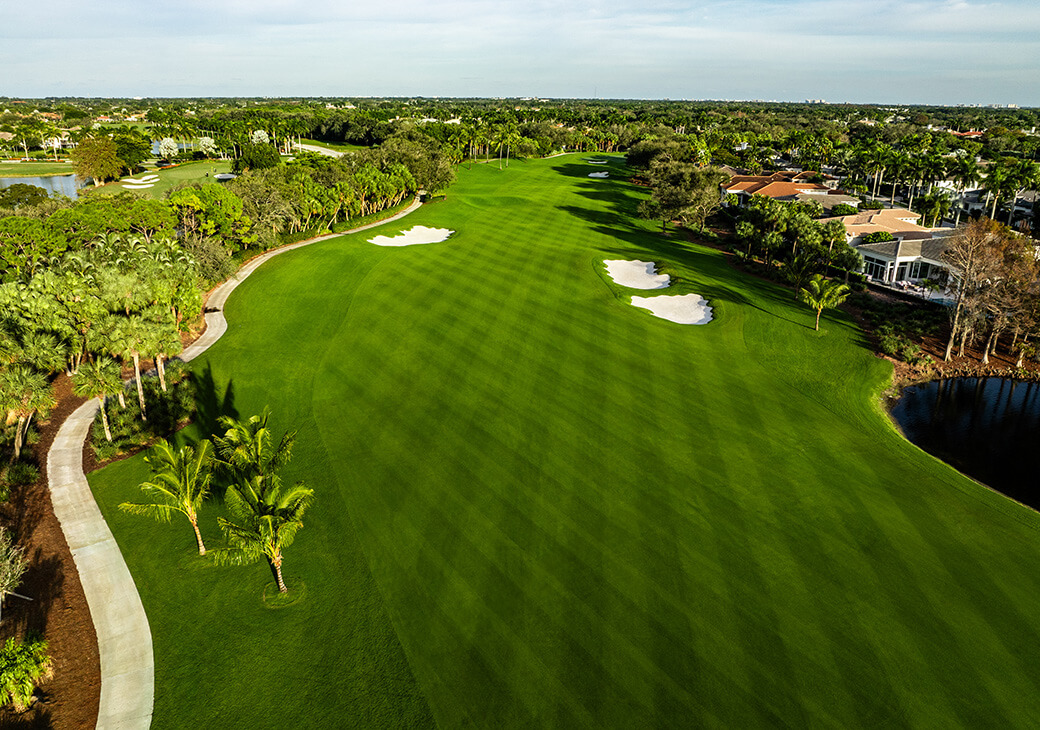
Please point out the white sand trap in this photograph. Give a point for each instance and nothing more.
(413, 237)
(139, 186)
(680, 308)
(636, 274)
(141, 181)
(596, 162)
(599, 174)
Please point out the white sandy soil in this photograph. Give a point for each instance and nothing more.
(413, 237)
(680, 308)
(636, 274)
(599, 174)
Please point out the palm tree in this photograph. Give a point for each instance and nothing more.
(23, 392)
(180, 483)
(130, 336)
(264, 519)
(821, 294)
(99, 379)
(246, 449)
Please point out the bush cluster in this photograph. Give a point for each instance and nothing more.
(166, 411)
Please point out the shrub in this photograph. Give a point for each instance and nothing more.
(844, 209)
(871, 205)
(22, 666)
(19, 474)
(878, 237)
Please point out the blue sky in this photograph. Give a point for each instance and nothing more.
(873, 51)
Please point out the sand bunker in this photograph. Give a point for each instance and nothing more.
(139, 186)
(413, 237)
(682, 308)
(144, 179)
(596, 162)
(636, 274)
(599, 174)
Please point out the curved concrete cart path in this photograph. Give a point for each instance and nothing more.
(124, 637)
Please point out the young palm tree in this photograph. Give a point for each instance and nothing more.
(99, 379)
(821, 294)
(246, 450)
(264, 519)
(23, 392)
(180, 483)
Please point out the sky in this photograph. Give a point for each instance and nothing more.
(867, 51)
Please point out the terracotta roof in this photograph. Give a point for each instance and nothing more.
(890, 220)
(782, 184)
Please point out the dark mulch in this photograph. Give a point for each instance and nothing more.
(58, 610)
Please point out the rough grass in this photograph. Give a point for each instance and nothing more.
(539, 506)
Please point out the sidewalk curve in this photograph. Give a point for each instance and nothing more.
(124, 637)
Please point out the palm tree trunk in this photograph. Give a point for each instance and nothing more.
(277, 563)
(160, 367)
(18, 439)
(198, 536)
(818, 313)
(104, 419)
(140, 385)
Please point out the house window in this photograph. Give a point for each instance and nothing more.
(873, 268)
(915, 269)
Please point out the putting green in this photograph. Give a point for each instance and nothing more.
(539, 506)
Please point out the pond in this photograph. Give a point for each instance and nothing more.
(987, 428)
(62, 184)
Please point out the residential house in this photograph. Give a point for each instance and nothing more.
(913, 255)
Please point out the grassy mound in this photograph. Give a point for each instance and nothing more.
(539, 506)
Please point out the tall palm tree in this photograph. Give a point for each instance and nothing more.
(821, 294)
(264, 518)
(130, 337)
(180, 483)
(99, 379)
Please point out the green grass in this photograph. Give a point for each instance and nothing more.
(337, 146)
(539, 506)
(171, 177)
(34, 169)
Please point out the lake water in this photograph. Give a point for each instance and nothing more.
(987, 428)
(62, 184)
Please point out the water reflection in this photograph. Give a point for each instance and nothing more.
(988, 428)
(61, 184)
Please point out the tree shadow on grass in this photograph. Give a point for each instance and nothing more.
(211, 404)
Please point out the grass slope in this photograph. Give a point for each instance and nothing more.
(170, 177)
(541, 506)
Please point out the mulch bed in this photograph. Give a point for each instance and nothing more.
(58, 611)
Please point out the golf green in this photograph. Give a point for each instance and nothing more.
(540, 506)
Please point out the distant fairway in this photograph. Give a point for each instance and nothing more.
(540, 506)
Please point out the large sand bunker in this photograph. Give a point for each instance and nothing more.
(414, 237)
(681, 308)
(599, 174)
(636, 274)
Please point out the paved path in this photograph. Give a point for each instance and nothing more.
(124, 638)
